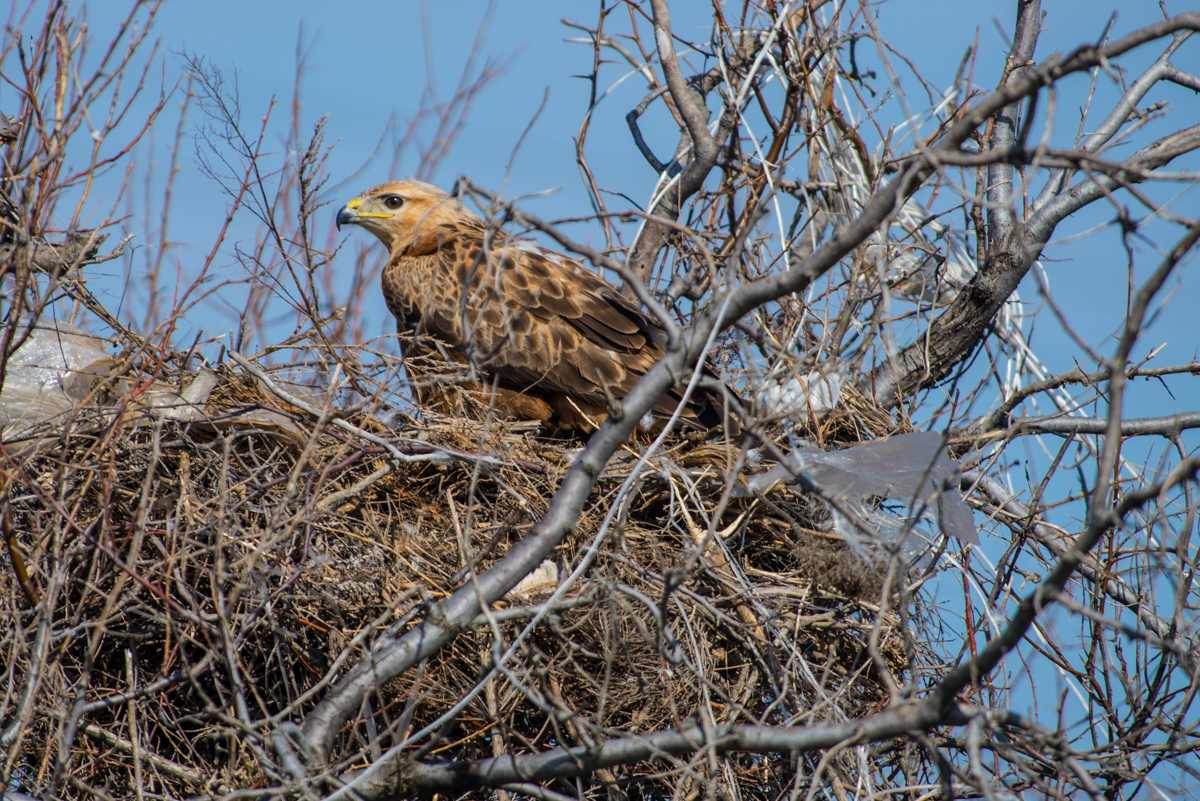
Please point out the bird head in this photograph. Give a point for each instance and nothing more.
(401, 213)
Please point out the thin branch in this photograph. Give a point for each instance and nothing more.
(392, 657)
(690, 106)
(1168, 426)
(1001, 214)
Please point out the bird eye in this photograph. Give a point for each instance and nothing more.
(393, 201)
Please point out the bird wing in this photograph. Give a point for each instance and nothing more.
(534, 319)
(545, 320)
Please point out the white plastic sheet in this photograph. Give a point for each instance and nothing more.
(816, 393)
(911, 468)
(54, 368)
(59, 368)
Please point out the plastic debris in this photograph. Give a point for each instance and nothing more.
(912, 468)
(56, 366)
(59, 369)
(539, 584)
(816, 393)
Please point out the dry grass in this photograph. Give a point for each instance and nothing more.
(224, 571)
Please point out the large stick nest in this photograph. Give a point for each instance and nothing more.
(194, 583)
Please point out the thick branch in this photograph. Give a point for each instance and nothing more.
(956, 332)
(1042, 223)
(691, 107)
(676, 185)
(460, 777)
(1167, 426)
(394, 655)
(705, 147)
(1004, 125)
(938, 708)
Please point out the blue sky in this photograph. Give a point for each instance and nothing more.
(366, 69)
(367, 65)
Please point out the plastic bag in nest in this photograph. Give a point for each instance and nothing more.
(59, 367)
(911, 468)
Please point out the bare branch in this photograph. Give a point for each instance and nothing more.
(1004, 125)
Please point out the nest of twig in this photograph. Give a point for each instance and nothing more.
(192, 583)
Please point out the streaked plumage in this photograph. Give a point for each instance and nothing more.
(557, 340)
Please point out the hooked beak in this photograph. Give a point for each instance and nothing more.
(350, 214)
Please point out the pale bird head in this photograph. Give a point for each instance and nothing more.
(400, 213)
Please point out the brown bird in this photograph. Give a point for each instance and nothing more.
(555, 341)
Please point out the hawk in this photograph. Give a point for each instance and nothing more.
(555, 342)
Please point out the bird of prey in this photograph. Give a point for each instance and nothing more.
(555, 342)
